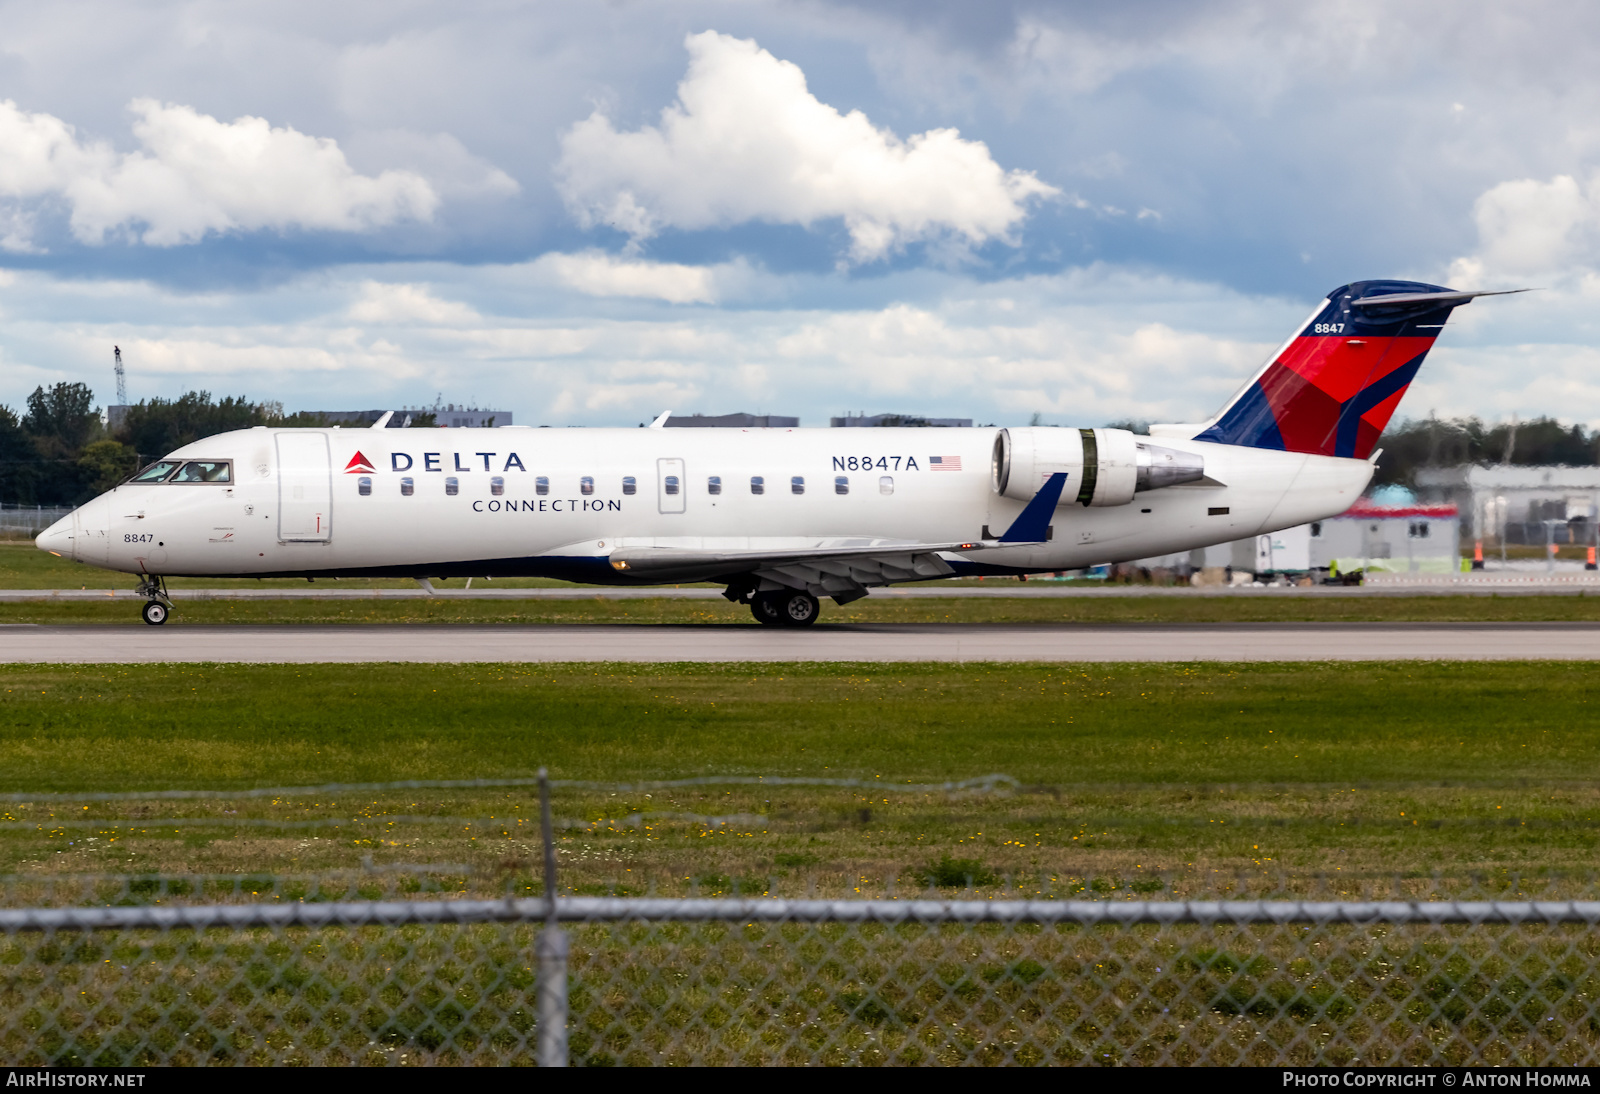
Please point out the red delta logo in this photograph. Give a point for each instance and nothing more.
(358, 465)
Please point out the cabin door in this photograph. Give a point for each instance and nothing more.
(670, 485)
(305, 488)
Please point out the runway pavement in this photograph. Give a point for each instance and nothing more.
(749, 642)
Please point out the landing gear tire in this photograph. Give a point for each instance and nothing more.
(155, 613)
(798, 609)
(765, 608)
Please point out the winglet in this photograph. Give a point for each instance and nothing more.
(1033, 524)
(383, 422)
(661, 422)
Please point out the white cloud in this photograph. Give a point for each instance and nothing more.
(193, 176)
(596, 273)
(405, 305)
(452, 171)
(1082, 348)
(203, 356)
(1527, 227)
(747, 141)
(1077, 367)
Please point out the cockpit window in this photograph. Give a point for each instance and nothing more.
(156, 471)
(205, 471)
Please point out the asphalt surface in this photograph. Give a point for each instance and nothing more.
(140, 644)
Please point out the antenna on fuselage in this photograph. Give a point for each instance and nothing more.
(122, 377)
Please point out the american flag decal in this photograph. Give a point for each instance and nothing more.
(945, 463)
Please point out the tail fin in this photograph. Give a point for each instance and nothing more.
(1333, 386)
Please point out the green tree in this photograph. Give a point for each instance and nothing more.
(157, 426)
(61, 419)
(105, 463)
(300, 419)
(19, 460)
(1450, 442)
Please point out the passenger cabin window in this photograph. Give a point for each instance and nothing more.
(156, 471)
(758, 485)
(204, 471)
(541, 485)
(452, 486)
(364, 486)
(630, 485)
(497, 485)
(671, 484)
(841, 484)
(407, 487)
(886, 484)
(797, 485)
(586, 485)
(714, 484)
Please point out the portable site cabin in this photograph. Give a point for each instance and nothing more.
(1408, 537)
(1405, 538)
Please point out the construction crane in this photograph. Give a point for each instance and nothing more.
(122, 377)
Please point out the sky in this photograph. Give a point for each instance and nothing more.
(591, 213)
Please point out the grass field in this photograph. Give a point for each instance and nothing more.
(23, 567)
(1128, 772)
(1178, 609)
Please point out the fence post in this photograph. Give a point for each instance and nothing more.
(552, 951)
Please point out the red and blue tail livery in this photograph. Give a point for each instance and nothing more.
(1333, 387)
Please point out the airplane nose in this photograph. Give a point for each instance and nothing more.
(58, 539)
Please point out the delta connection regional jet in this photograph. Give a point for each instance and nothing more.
(781, 517)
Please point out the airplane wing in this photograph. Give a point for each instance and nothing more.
(842, 570)
(843, 573)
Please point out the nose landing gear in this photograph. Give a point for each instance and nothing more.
(157, 604)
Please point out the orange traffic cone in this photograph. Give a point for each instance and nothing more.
(1590, 565)
(1477, 555)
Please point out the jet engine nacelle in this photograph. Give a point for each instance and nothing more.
(1103, 466)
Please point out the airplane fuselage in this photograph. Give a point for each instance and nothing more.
(561, 502)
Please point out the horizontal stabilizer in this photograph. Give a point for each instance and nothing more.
(1394, 299)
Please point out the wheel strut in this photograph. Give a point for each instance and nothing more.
(158, 605)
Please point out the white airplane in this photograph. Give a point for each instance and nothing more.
(782, 517)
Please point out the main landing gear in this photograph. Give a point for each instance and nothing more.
(157, 605)
(786, 608)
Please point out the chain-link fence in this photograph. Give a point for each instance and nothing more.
(640, 981)
(29, 520)
(450, 964)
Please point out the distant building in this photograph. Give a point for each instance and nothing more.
(1405, 538)
(1409, 538)
(859, 420)
(116, 414)
(1511, 504)
(450, 416)
(730, 421)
